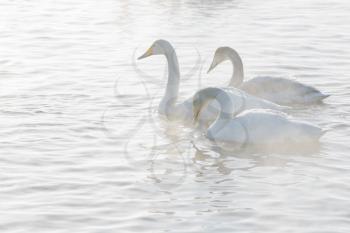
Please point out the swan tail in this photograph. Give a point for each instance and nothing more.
(311, 132)
(320, 133)
(316, 97)
(324, 96)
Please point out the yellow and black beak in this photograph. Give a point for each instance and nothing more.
(148, 53)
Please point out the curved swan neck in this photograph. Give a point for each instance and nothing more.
(172, 88)
(238, 74)
(203, 97)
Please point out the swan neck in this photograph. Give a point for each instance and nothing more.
(225, 115)
(226, 108)
(225, 104)
(172, 88)
(238, 74)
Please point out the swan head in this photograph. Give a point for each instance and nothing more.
(159, 47)
(223, 54)
(202, 98)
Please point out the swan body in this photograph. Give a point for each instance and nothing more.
(183, 111)
(275, 89)
(256, 126)
(293, 92)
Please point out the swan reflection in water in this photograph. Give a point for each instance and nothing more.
(189, 154)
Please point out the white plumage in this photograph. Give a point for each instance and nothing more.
(278, 90)
(258, 126)
(172, 110)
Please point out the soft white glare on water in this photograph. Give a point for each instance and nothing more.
(82, 147)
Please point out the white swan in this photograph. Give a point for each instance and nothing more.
(172, 110)
(278, 90)
(260, 127)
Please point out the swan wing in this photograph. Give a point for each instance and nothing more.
(282, 90)
(269, 126)
(247, 101)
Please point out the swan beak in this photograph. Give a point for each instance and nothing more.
(212, 66)
(148, 53)
(195, 115)
(195, 118)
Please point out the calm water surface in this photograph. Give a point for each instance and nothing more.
(83, 150)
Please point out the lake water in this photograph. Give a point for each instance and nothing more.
(82, 147)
